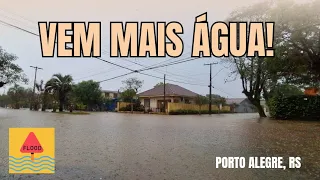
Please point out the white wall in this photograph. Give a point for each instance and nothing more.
(153, 103)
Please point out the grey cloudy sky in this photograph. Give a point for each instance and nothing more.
(26, 14)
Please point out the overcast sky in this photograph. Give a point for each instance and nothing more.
(26, 14)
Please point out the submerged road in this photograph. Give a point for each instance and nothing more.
(125, 146)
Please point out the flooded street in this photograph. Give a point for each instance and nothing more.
(125, 146)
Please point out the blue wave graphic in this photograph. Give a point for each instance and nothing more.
(23, 157)
(32, 165)
(31, 161)
(36, 170)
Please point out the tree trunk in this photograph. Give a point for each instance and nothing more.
(260, 110)
(257, 104)
(44, 102)
(61, 106)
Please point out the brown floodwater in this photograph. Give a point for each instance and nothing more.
(138, 146)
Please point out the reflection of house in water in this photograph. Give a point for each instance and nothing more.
(153, 98)
(241, 105)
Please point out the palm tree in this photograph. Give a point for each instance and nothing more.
(16, 93)
(61, 86)
(43, 94)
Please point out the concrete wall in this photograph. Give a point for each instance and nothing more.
(122, 104)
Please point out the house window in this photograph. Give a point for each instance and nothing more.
(187, 101)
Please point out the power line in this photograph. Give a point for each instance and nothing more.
(115, 77)
(174, 80)
(161, 72)
(101, 72)
(14, 26)
(135, 71)
(170, 64)
(150, 67)
(132, 71)
(163, 65)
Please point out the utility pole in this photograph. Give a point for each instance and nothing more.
(164, 93)
(210, 85)
(34, 84)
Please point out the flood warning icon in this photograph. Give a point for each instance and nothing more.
(31, 150)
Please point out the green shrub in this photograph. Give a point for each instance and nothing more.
(136, 107)
(295, 107)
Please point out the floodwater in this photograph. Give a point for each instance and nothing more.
(133, 146)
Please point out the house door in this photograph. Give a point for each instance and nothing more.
(147, 103)
(161, 105)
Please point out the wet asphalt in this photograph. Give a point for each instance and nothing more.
(138, 146)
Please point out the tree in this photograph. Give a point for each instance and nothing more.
(61, 86)
(5, 100)
(159, 84)
(217, 99)
(251, 69)
(17, 95)
(133, 83)
(297, 44)
(132, 86)
(298, 30)
(253, 78)
(128, 95)
(43, 95)
(201, 100)
(88, 93)
(285, 90)
(10, 72)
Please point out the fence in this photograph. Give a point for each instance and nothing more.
(182, 106)
(121, 105)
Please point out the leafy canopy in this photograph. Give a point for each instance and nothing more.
(10, 72)
(88, 92)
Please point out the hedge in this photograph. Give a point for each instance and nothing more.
(184, 112)
(136, 107)
(300, 107)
